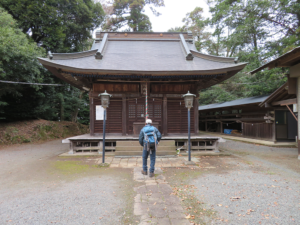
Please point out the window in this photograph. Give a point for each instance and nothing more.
(131, 112)
(157, 111)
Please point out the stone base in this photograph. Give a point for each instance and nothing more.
(189, 163)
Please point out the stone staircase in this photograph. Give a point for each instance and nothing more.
(133, 148)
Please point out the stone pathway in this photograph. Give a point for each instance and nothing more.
(155, 203)
(132, 162)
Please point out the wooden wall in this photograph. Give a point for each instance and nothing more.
(114, 117)
(165, 106)
(258, 130)
(178, 116)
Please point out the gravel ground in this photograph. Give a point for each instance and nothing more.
(83, 201)
(34, 190)
(252, 188)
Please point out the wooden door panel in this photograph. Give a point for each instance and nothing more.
(136, 112)
(178, 116)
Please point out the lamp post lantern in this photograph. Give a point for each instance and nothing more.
(104, 103)
(189, 99)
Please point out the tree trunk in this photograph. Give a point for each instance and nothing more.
(75, 113)
(62, 109)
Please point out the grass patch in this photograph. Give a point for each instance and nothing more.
(270, 172)
(103, 165)
(70, 167)
(128, 195)
(248, 162)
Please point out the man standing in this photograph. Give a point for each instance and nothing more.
(149, 138)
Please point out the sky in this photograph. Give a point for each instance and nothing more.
(173, 13)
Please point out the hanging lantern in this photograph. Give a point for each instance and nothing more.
(188, 99)
(105, 99)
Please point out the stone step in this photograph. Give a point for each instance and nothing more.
(167, 143)
(139, 153)
(140, 148)
(137, 144)
(128, 148)
(128, 143)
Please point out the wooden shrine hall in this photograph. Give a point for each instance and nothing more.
(126, 65)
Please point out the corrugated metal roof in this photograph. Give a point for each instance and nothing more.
(243, 101)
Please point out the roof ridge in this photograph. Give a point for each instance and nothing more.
(73, 55)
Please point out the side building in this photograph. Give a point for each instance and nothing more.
(262, 117)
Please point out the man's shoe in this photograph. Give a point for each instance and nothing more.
(144, 172)
(151, 174)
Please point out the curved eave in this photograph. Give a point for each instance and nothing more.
(234, 67)
(212, 57)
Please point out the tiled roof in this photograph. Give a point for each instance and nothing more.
(144, 55)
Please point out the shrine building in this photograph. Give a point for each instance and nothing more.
(130, 65)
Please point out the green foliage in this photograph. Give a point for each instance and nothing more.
(129, 14)
(18, 58)
(255, 31)
(56, 25)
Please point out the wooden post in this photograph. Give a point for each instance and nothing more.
(165, 116)
(71, 149)
(92, 115)
(196, 114)
(124, 115)
(205, 125)
(298, 105)
(221, 126)
(274, 132)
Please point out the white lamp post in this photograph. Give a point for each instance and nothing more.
(189, 100)
(104, 103)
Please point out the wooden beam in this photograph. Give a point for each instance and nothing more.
(292, 113)
(234, 119)
(237, 114)
(285, 102)
(142, 81)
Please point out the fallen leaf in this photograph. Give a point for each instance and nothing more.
(188, 216)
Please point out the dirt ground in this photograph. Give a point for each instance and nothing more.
(38, 187)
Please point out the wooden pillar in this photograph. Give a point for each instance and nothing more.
(124, 115)
(165, 116)
(196, 114)
(71, 148)
(274, 132)
(221, 127)
(205, 125)
(298, 105)
(92, 115)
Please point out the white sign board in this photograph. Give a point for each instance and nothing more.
(99, 112)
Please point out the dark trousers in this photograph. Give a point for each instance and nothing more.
(152, 154)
